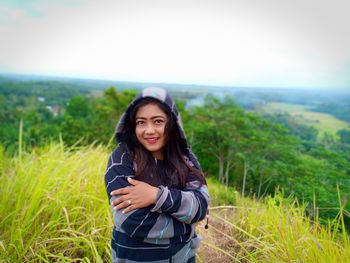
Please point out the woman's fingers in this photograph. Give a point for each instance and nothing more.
(118, 201)
(121, 191)
(134, 181)
(138, 195)
(122, 204)
(128, 209)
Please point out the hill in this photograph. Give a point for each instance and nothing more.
(323, 122)
(54, 208)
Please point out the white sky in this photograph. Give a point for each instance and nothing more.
(279, 43)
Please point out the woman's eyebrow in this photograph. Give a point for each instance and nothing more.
(153, 117)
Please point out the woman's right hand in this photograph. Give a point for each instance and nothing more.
(138, 195)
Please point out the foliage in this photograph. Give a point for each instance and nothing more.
(339, 110)
(344, 136)
(220, 194)
(306, 133)
(54, 208)
(240, 149)
(275, 229)
(257, 156)
(80, 118)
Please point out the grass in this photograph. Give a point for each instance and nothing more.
(275, 229)
(54, 209)
(323, 122)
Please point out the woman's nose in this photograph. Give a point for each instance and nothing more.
(149, 129)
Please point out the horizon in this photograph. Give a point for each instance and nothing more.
(226, 43)
(196, 86)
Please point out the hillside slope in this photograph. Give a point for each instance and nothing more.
(54, 208)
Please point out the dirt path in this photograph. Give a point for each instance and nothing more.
(218, 239)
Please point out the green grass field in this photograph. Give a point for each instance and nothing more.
(321, 121)
(54, 208)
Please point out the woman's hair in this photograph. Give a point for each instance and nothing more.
(176, 168)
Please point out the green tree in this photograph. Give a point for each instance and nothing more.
(216, 127)
(77, 107)
(344, 136)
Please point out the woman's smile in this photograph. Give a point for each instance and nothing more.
(152, 140)
(151, 121)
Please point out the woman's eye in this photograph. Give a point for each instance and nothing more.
(158, 121)
(140, 122)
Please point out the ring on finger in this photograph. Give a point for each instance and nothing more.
(129, 201)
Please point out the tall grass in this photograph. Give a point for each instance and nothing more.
(54, 206)
(54, 209)
(275, 229)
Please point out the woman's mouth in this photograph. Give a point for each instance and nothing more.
(152, 140)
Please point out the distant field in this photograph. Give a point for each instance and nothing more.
(321, 121)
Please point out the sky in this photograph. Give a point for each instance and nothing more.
(253, 43)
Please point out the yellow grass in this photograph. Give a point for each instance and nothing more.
(54, 209)
(272, 230)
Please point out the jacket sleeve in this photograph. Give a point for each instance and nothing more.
(140, 223)
(189, 205)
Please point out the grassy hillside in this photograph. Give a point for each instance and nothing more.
(321, 121)
(54, 208)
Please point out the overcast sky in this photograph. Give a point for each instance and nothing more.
(278, 43)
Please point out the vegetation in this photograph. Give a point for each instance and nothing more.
(275, 229)
(51, 177)
(301, 114)
(254, 154)
(257, 156)
(48, 109)
(54, 208)
(339, 110)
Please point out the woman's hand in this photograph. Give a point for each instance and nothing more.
(139, 195)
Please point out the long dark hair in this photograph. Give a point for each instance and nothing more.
(176, 168)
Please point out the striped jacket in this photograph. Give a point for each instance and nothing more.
(164, 232)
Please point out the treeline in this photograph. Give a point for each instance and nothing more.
(340, 111)
(309, 134)
(255, 155)
(335, 103)
(50, 110)
(39, 104)
(22, 93)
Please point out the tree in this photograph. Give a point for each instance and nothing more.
(216, 127)
(344, 136)
(77, 107)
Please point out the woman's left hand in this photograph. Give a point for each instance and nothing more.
(139, 195)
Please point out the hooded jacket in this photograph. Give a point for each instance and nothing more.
(163, 232)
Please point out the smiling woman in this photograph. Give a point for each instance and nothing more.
(150, 128)
(155, 185)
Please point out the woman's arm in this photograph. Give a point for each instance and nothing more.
(189, 205)
(142, 223)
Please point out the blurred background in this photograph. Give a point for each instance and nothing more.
(263, 88)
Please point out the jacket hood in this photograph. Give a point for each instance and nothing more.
(163, 97)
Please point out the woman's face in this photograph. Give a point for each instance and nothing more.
(150, 128)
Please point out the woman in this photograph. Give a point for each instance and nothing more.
(155, 186)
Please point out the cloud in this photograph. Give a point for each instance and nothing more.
(213, 42)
